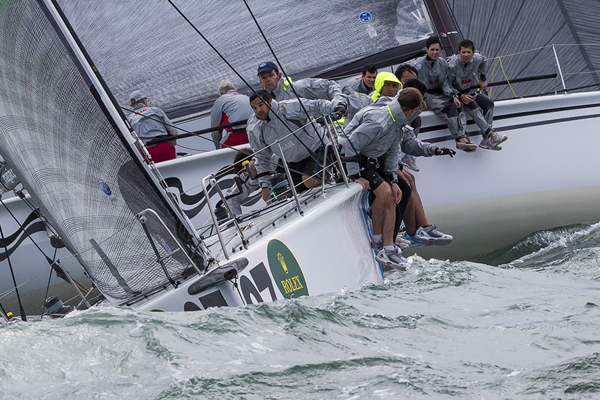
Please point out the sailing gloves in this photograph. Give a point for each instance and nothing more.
(444, 151)
(340, 110)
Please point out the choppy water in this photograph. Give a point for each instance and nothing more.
(521, 323)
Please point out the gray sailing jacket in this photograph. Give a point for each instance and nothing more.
(309, 88)
(434, 74)
(230, 107)
(462, 75)
(356, 85)
(377, 131)
(150, 122)
(263, 134)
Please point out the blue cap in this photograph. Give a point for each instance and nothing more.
(267, 67)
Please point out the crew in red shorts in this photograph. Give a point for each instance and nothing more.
(151, 123)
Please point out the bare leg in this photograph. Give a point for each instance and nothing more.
(414, 216)
(383, 213)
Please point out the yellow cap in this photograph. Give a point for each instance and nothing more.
(245, 163)
(9, 314)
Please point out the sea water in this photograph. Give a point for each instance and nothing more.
(519, 323)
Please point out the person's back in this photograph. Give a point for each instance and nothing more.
(151, 123)
(231, 106)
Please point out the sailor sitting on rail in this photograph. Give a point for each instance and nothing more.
(440, 97)
(287, 122)
(361, 84)
(229, 107)
(467, 69)
(309, 88)
(151, 123)
(375, 137)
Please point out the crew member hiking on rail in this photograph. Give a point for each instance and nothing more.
(374, 138)
(440, 97)
(151, 123)
(267, 126)
(466, 70)
(229, 107)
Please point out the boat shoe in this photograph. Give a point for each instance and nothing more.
(464, 143)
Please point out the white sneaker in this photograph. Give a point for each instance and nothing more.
(392, 258)
(427, 236)
(492, 142)
(495, 139)
(410, 162)
(401, 242)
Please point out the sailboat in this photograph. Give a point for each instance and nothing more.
(72, 148)
(487, 201)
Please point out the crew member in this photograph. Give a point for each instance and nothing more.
(361, 84)
(151, 123)
(309, 88)
(231, 106)
(375, 137)
(468, 69)
(272, 121)
(441, 98)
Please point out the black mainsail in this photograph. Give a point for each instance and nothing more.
(65, 138)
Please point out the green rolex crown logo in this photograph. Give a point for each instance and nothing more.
(286, 271)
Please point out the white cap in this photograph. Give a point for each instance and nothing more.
(137, 96)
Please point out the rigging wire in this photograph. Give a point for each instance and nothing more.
(12, 273)
(281, 66)
(312, 153)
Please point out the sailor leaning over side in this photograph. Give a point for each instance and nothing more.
(272, 121)
(231, 106)
(441, 98)
(466, 70)
(375, 137)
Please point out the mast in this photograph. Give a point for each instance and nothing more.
(445, 25)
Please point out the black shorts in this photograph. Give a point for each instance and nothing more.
(373, 172)
(306, 167)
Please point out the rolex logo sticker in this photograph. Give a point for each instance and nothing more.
(286, 270)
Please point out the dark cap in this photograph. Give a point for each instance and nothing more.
(267, 67)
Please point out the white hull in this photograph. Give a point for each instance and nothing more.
(334, 223)
(546, 176)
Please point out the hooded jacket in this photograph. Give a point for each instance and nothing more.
(377, 131)
(263, 134)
